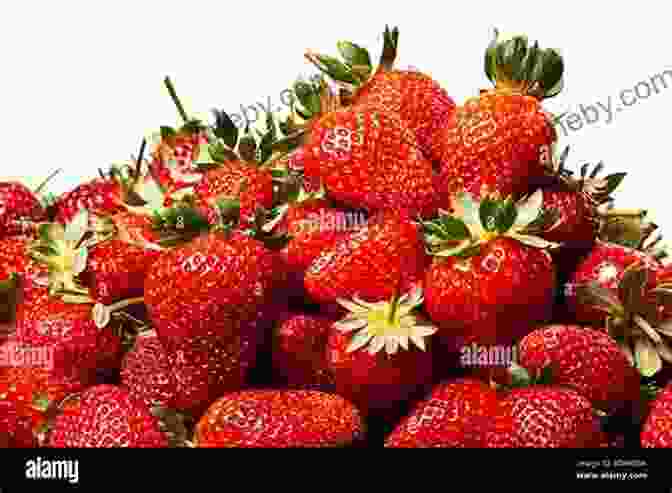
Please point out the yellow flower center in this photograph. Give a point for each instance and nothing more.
(382, 322)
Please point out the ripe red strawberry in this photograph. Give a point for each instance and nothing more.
(279, 419)
(106, 416)
(490, 281)
(70, 331)
(575, 202)
(385, 254)
(544, 417)
(251, 185)
(657, 430)
(494, 144)
(167, 381)
(584, 359)
(27, 379)
(454, 415)
(16, 429)
(636, 312)
(21, 207)
(378, 355)
(204, 297)
(299, 352)
(418, 99)
(605, 266)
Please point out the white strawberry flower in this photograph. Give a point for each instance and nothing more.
(387, 325)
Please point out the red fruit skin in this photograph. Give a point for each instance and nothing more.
(279, 419)
(16, 429)
(225, 182)
(585, 360)
(371, 263)
(174, 157)
(494, 297)
(159, 378)
(657, 429)
(418, 99)
(377, 384)
(575, 225)
(210, 288)
(70, 332)
(605, 265)
(494, 145)
(367, 158)
(106, 416)
(116, 270)
(299, 352)
(454, 415)
(314, 227)
(18, 205)
(544, 417)
(98, 196)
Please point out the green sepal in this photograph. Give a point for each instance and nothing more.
(225, 129)
(334, 69)
(390, 47)
(309, 96)
(247, 147)
(220, 153)
(614, 181)
(180, 219)
(497, 215)
(357, 58)
(167, 132)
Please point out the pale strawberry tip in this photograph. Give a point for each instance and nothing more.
(385, 325)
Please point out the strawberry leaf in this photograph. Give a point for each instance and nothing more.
(595, 295)
(488, 212)
(356, 57)
(613, 182)
(167, 132)
(220, 153)
(225, 129)
(335, 69)
(506, 216)
(309, 97)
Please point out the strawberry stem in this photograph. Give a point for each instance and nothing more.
(138, 162)
(41, 186)
(173, 95)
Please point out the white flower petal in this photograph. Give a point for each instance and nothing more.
(391, 345)
(350, 324)
(377, 343)
(646, 327)
(101, 315)
(79, 261)
(528, 211)
(424, 330)
(351, 306)
(403, 342)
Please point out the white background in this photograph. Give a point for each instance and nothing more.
(81, 82)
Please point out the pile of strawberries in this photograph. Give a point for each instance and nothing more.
(319, 283)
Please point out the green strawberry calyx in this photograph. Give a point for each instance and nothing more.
(513, 65)
(388, 325)
(475, 223)
(634, 317)
(64, 251)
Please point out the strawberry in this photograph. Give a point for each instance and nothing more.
(16, 429)
(656, 432)
(169, 382)
(373, 379)
(636, 311)
(299, 352)
(27, 379)
(279, 419)
(385, 254)
(365, 156)
(106, 416)
(494, 144)
(490, 281)
(21, 207)
(605, 266)
(542, 416)
(583, 359)
(575, 202)
(454, 415)
(418, 99)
